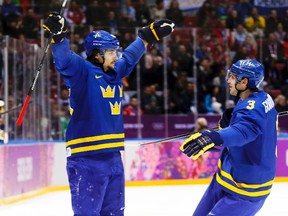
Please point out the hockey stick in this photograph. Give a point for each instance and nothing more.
(27, 99)
(12, 109)
(189, 134)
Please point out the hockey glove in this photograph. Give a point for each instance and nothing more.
(200, 142)
(55, 25)
(156, 30)
(225, 118)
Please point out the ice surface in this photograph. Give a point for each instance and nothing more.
(144, 201)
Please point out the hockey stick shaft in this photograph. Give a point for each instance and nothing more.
(189, 134)
(12, 109)
(27, 99)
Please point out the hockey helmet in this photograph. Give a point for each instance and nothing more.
(101, 40)
(250, 69)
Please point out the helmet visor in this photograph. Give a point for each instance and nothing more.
(114, 52)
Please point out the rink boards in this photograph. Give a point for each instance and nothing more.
(34, 168)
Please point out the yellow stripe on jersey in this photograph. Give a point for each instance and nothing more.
(95, 138)
(242, 185)
(96, 147)
(239, 191)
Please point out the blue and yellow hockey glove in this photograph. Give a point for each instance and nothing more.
(200, 142)
(56, 25)
(225, 118)
(156, 30)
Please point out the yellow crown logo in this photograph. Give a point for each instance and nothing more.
(121, 91)
(108, 92)
(116, 108)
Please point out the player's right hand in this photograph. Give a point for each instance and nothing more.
(56, 25)
(200, 142)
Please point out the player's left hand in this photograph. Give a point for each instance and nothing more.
(156, 30)
(225, 118)
(55, 25)
(200, 142)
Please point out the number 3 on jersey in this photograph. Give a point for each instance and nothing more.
(251, 104)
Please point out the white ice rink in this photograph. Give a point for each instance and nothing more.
(144, 201)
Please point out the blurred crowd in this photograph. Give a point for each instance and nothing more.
(195, 58)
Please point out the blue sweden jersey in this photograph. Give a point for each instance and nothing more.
(248, 162)
(96, 124)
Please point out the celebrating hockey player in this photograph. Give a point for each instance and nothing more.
(247, 164)
(95, 134)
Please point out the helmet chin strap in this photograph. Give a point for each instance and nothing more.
(239, 91)
(101, 64)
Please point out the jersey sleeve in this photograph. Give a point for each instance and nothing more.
(70, 65)
(131, 56)
(245, 126)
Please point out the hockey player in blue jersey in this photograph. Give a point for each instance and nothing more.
(246, 168)
(95, 134)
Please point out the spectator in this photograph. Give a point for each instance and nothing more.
(271, 22)
(158, 11)
(220, 57)
(222, 9)
(74, 13)
(203, 51)
(200, 124)
(272, 51)
(145, 96)
(206, 16)
(174, 13)
(143, 17)
(279, 33)
(9, 8)
(205, 76)
(127, 24)
(132, 109)
(55, 5)
(78, 41)
(285, 46)
(187, 100)
(112, 23)
(285, 21)
(11, 16)
(153, 107)
(173, 102)
(153, 72)
(243, 7)
(185, 60)
(29, 25)
(25, 5)
(213, 100)
(241, 53)
(128, 9)
(230, 104)
(281, 103)
(64, 97)
(95, 14)
(252, 45)
(255, 23)
(233, 19)
(204, 13)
